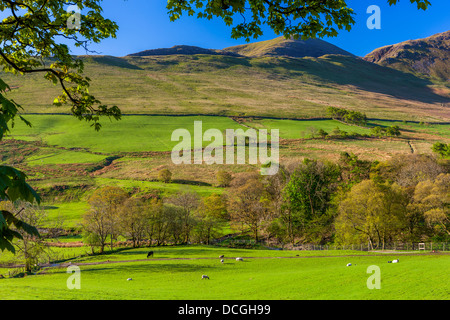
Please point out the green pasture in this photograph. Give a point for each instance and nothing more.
(130, 134)
(58, 156)
(175, 274)
(298, 129)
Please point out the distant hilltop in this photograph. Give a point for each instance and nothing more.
(278, 47)
(282, 47)
(429, 56)
(181, 49)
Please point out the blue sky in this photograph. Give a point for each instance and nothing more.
(145, 24)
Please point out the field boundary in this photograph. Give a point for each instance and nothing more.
(68, 264)
(236, 116)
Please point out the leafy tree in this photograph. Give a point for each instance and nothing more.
(323, 134)
(165, 175)
(188, 202)
(408, 169)
(210, 217)
(158, 222)
(30, 248)
(13, 188)
(372, 212)
(309, 191)
(442, 149)
(102, 218)
(348, 116)
(224, 178)
(353, 169)
(32, 33)
(432, 199)
(393, 131)
(305, 18)
(133, 220)
(247, 203)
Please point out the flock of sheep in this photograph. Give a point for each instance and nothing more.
(150, 254)
(393, 261)
(204, 276)
(221, 261)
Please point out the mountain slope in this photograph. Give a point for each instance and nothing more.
(281, 47)
(181, 49)
(241, 86)
(429, 56)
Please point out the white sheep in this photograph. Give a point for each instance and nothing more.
(349, 264)
(205, 277)
(396, 261)
(129, 279)
(221, 260)
(239, 259)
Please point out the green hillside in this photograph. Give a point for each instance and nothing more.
(281, 47)
(278, 87)
(426, 57)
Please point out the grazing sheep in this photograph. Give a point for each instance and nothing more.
(129, 279)
(396, 261)
(221, 260)
(205, 277)
(150, 254)
(222, 256)
(239, 259)
(349, 264)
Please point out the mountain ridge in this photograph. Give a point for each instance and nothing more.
(428, 56)
(278, 47)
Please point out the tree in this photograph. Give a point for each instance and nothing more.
(223, 178)
(371, 212)
(133, 220)
(307, 197)
(102, 219)
(323, 134)
(409, 169)
(210, 217)
(353, 169)
(165, 176)
(13, 188)
(432, 199)
(442, 149)
(188, 201)
(247, 203)
(32, 34)
(297, 18)
(158, 222)
(30, 247)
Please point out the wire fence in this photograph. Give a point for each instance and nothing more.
(401, 246)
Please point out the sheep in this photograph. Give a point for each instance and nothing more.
(150, 254)
(395, 261)
(222, 256)
(221, 261)
(349, 264)
(205, 277)
(129, 279)
(239, 259)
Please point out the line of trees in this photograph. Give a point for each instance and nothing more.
(180, 219)
(337, 133)
(347, 202)
(347, 116)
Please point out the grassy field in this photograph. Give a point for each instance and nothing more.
(131, 134)
(175, 274)
(238, 86)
